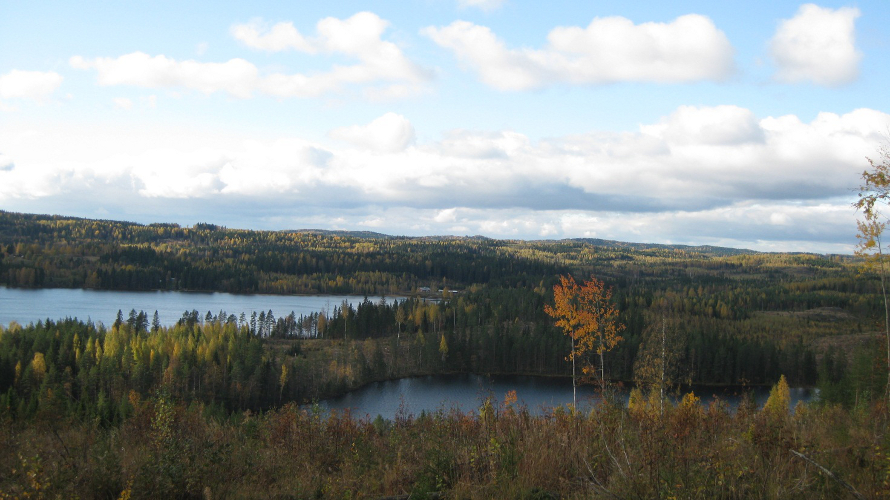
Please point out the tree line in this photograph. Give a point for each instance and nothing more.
(737, 317)
(238, 363)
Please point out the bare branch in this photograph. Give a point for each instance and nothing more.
(830, 474)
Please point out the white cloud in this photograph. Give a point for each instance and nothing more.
(169, 173)
(714, 175)
(683, 161)
(383, 71)
(693, 159)
(375, 222)
(283, 167)
(780, 219)
(236, 76)
(122, 103)
(818, 44)
(390, 133)
(395, 92)
(359, 37)
(487, 5)
(717, 125)
(35, 85)
(280, 37)
(446, 215)
(608, 50)
(483, 145)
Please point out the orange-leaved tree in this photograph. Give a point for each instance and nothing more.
(587, 315)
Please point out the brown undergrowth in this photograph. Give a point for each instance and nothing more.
(687, 450)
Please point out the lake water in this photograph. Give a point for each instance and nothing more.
(411, 396)
(29, 306)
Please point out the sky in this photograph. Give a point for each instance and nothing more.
(738, 124)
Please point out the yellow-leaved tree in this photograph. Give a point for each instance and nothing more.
(779, 402)
(873, 195)
(587, 315)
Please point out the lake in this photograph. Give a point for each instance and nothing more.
(411, 396)
(29, 305)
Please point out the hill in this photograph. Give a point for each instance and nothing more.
(218, 383)
(739, 313)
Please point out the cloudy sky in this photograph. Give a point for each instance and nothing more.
(743, 124)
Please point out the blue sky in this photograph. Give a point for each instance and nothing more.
(743, 125)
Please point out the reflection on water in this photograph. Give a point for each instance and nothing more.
(432, 393)
(30, 305)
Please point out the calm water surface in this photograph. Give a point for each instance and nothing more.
(29, 306)
(411, 396)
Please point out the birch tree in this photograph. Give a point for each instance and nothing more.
(874, 194)
(587, 315)
(657, 363)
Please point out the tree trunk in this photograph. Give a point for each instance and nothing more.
(886, 316)
(661, 399)
(574, 378)
(602, 374)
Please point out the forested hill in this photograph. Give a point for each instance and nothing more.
(700, 249)
(733, 317)
(56, 251)
(45, 251)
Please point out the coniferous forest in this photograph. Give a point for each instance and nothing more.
(216, 404)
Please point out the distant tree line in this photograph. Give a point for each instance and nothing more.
(236, 363)
(48, 251)
(736, 317)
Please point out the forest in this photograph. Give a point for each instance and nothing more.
(735, 317)
(238, 384)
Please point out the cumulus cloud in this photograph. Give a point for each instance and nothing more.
(483, 145)
(382, 71)
(236, 76)
(281, 36)
(610, 49)
(390, 133)
(446, 215)
(717, 125)
(711, 174)
(285, 167)
(686, 163)
(696, 158)
(34, 85)
(818, 44)
(359, 37)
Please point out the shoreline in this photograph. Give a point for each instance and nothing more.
(683, 389)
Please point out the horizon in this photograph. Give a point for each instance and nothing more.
(701, 124)
(357, 233)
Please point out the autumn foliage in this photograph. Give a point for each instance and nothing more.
(168, 449)
(587, 315)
